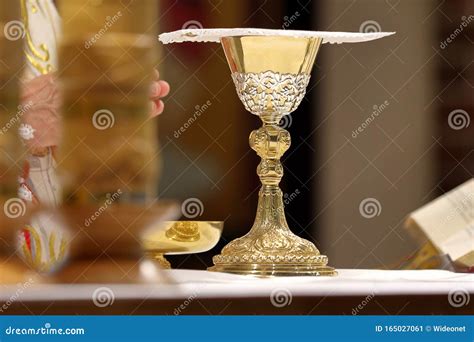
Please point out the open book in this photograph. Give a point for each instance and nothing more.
(448, 224)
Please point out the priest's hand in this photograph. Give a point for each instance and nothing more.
(41, 127)
(159, 89)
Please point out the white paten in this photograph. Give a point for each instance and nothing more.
(215, 35)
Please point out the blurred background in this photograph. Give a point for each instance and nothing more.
(385, 121)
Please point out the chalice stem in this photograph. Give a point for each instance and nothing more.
(276, 140)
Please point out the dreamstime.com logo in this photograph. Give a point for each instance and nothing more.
(179, 309)
(464, 205)
(356, 310)
(370, 208)
(289, 20)
(192, 208)
(199, 110)
(288, 198)
(192, 24)
(14, 30)
(286, 121)
(458, 297)
(103, 297)
(13, 298)
(459, 119)
(377, 110)
(281, 297)
(103, 119)
(111, 198)
(109, 22)
(47, 329)
(14, 208)
(465, 21)
(14, 120)
(370, 26)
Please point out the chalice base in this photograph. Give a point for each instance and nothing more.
(271, 248)
(279, 270)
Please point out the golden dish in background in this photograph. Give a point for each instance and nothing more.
(181, 237)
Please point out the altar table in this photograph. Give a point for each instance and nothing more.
(188, 292)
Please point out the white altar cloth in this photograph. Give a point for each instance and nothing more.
(191, 283)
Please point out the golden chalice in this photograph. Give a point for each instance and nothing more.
(271, 70)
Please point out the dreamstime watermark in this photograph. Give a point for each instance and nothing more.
(4, 242)
(462, 206)
(109, 22)
(362, 304)
(47, 329)
(21, 110)
(370, 26)
(288, 198)
(289, 20)
(192, 208)
(192, 24)
(458, 297)
(14, 30)
(464, 23)
(14, 208)
(111, 198)
(370, 208)
(14, 297)
(199, 110)
(179, 309)
(281, 297)
(377, 110)
(286, 121)
(459, 119)
(103, 297)
(126, 3)
(103, 119)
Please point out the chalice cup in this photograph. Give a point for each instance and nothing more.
(271, 70)
(271, 74)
